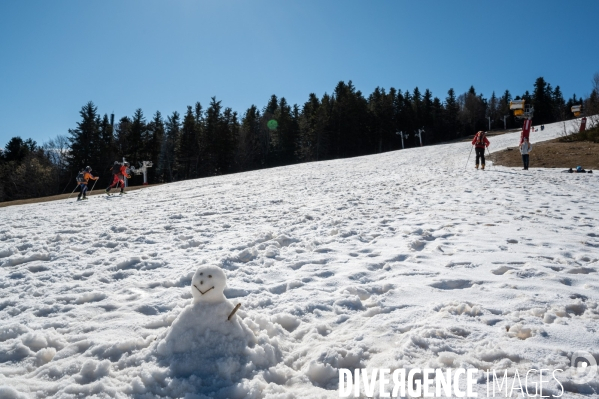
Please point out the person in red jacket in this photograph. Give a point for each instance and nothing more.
(119, 172)
(480, 142)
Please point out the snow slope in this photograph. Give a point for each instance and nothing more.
(401, 260)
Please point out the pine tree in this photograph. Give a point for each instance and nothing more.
(382, 119)
(227, 141)
(558, 105)
(451, 114)
(283, 135)
(188, 153)
(437, 121)
(398, 104)
(137, 139)
(308, 135)
(417, 106)
(251, 153)
(407, 119)
(493, 109)
(107, 150)
(542, 102)
(200, 122)
(348, 120)
(156, 127)
(504, 109)
(324, 128)
(18, 149)
(168, 150)
(85, 140)
(213, 129)
(472, 111)
(269, 123)
(427, 117)
(121, 138)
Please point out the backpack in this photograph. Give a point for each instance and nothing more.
(116, 169)
(480, 139)
(80, 178)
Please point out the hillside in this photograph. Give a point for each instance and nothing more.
(547, 154)
(407, 259)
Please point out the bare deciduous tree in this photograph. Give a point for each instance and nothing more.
(591, 104)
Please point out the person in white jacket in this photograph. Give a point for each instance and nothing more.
(525, 149)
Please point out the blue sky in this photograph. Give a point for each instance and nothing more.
(55, 56)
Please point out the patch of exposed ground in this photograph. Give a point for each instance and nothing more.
(553, 154)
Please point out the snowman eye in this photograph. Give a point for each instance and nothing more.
(210, 276)
(201, 274)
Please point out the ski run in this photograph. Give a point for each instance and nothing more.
(402, 260)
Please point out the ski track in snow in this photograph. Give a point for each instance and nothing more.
(403, 259)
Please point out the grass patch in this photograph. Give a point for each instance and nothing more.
(587, 135)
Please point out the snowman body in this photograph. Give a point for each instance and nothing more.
(205, 340)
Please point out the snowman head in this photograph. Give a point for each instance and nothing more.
(208, 284)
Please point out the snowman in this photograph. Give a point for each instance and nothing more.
(208, 340)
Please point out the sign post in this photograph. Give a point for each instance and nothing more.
(583, 124)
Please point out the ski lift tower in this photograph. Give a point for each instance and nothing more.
(402, 135)
(419, 134)
(138, 171)
(525, 112)
(143, 170)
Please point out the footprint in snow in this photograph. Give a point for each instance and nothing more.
(453, 284)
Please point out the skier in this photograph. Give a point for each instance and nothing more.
(480, 142)
(82, 181)
(525, 149)
(119, 172)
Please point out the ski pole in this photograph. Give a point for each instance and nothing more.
(73, 191)
(468, 157)
(93, 186)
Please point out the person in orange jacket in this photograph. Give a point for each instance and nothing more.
(87, 176)
(119, 172)
(480, 142)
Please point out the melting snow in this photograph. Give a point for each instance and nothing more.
(399, 260)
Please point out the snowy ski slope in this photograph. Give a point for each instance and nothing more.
(400, 260)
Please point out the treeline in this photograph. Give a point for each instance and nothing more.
(216, 140)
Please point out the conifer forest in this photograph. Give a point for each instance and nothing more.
(211, 139)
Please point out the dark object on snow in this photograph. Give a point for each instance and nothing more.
(233, 311)
(577, 170)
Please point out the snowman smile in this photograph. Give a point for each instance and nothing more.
(201, 290)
